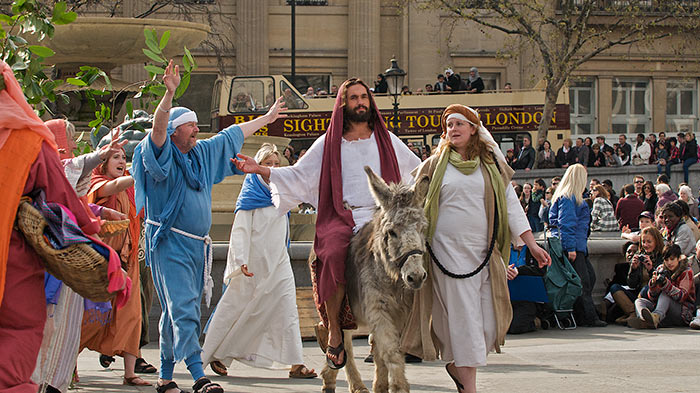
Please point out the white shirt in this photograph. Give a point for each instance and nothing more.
(293, 185)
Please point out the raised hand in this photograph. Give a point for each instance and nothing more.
(274, 112)
(171, 78)
(114, 146)
(246, 164)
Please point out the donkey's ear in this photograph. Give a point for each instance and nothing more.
(420, 190)
(378, 187)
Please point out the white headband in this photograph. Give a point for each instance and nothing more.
(484, 134)
(459, 116)
(184, 118)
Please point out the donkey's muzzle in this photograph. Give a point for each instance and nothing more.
(416, 280)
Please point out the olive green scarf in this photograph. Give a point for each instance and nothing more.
(468, 167)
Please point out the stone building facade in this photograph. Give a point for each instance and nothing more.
(628, 90)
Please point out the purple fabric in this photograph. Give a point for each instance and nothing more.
(96, 209)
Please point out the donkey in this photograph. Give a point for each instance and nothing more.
(384, 267)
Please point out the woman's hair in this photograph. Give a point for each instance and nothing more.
(649, 184)
(572, 184)
(690, 133)
(671, 251)
(70, 129)
(547, 142)
(662, 188)
(266, 150)
(602, 192)
(569, 141)
(687, 190)
(475, 147)
(656, 235)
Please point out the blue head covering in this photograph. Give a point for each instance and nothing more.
(180, 115)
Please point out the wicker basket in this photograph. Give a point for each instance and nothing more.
(113, 228)
(79, 266)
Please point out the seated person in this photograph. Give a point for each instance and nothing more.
(242, 103)
(527, 292)
(642, 265)
(671, 293)
(610, 310)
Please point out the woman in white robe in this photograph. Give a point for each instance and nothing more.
(256, 320)
(465, 182)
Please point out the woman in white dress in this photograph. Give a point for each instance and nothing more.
(473, 216)
(256, 321)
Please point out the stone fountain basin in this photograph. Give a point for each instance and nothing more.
(110, 42)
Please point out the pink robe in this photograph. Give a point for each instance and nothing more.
(23, 310)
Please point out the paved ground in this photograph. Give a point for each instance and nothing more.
(612, 359)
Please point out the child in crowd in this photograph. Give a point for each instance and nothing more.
(645, 220)
(671, 292)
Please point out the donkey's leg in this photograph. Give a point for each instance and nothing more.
(381, 374)
(328, 375)
(387, 354)
(351, 372)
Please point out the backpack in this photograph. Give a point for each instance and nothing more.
(562, 283)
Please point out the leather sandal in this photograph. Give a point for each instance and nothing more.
(106, 361)
(136, 381)
(204, 385)
(143, 367)
(336, 351)
(459, 385)
(302, 372)
(168, 386)
(218, 368)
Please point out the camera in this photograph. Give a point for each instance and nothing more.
(663, 274)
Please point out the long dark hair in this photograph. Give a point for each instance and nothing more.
(373, 111)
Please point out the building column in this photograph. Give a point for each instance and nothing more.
(658, 104)
(604, 104)
(363, 39)
(252, 43)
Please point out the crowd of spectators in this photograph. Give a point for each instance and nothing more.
(654, 286)
(662, 152)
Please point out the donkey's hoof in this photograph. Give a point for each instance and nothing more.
(328, 390)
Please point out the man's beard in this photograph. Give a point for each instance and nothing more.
(353, 116)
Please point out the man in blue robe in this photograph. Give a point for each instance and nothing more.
(174, 174)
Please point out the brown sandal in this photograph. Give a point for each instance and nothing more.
(136, 381)
(218, 368)
(302, 372)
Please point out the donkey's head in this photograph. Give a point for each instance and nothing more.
(399, 224)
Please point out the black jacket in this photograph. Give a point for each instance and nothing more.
(565, 158)
(455, 82)
(526, 158)
(478, 84)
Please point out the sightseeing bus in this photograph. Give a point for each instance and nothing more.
(509, 115)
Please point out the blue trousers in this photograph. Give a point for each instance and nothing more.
(177, 265)
(686, 164)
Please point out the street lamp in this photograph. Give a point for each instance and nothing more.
(394, 79)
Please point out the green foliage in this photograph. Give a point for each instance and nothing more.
(34, 20)
(154, 89)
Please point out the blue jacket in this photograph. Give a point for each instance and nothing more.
(569, 222)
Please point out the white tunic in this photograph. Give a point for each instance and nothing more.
(256, 321)
(463, 317)
(297, 184)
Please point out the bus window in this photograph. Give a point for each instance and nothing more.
(291, 98)
(248, 94)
